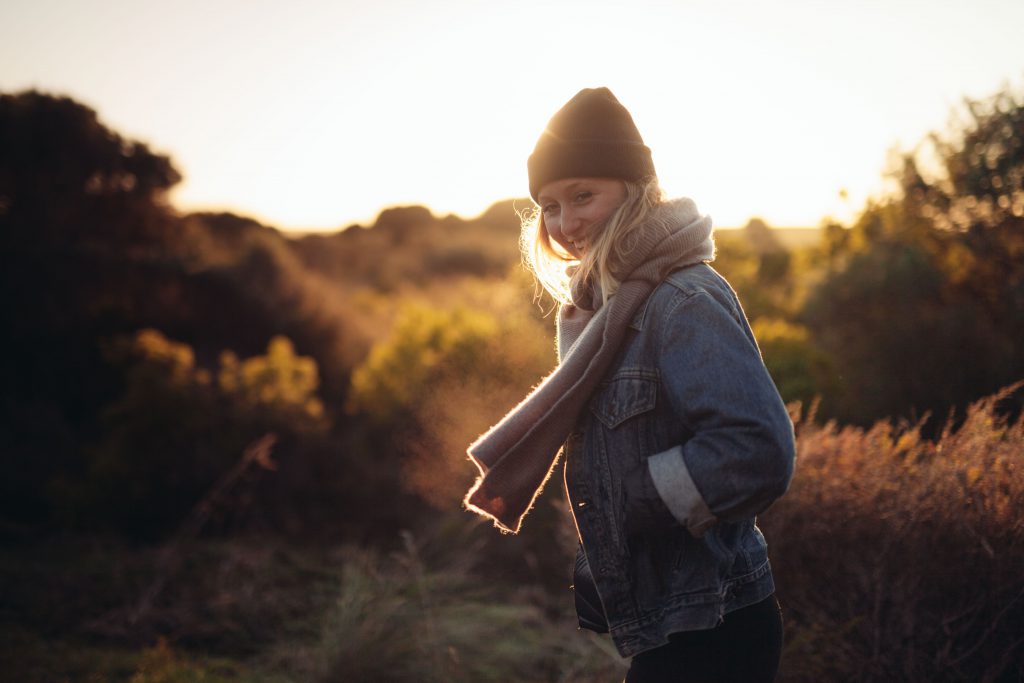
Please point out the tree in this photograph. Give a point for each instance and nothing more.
(979, 181)
(66, 178)
(923, 305)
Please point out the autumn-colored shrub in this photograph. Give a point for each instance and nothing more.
(900, 558)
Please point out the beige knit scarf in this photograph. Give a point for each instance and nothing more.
(516, 456)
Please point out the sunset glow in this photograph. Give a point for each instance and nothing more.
(321, 114)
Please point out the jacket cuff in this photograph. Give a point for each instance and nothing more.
(676, 488)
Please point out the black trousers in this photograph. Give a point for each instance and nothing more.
(745, 648)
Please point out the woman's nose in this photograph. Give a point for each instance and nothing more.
(570, 223)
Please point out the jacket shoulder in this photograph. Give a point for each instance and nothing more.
(695, 279)
(682, 284)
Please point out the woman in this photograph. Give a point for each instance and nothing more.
(674, 434)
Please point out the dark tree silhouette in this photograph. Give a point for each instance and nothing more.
(923, 306)
(66, 178)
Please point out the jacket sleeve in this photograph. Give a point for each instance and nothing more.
(741, 454)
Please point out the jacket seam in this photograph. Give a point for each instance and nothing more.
(663, 322)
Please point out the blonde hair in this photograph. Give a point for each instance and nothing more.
(558, 272)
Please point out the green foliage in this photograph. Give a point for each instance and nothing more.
(173, 431)
(92, 252)
(885, 323)
(279, 381)
(801, 371)
(768, 278)
(921, 306)
(442, 376)
(424, 346)
(916, 307)
(759, 268)
(980, 179)
(162, 423)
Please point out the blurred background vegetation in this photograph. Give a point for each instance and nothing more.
(231, 453)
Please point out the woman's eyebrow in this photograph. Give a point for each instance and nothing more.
(568, 189)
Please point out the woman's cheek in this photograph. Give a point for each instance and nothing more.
(555, 233)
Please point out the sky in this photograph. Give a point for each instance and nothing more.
(317, 114)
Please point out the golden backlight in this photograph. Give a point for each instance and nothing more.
(321, 115)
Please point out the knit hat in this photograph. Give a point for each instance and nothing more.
(592, 136)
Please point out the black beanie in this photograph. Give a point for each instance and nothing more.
(592, 136)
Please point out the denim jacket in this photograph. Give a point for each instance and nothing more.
(682, 445)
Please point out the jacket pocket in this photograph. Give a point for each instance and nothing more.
(628, 393)
(621, 411)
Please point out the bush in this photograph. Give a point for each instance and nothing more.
(441, 377)
(801, 371)
(899, 558)
(175, 430)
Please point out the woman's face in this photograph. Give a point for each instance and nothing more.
(572, 208)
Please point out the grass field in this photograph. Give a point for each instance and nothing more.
(897, 559)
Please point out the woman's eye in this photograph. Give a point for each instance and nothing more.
(583, 196)
(548, 208)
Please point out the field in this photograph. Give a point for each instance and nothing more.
(235, 454)
(897, 559)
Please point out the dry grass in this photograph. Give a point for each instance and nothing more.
(402, 617)
(897, 558)
(901, 558)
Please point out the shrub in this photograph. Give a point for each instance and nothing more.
(900, 558)
(800, 369)
(175, 429)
